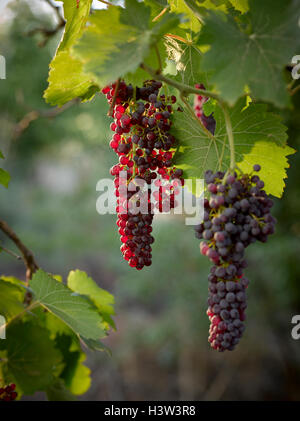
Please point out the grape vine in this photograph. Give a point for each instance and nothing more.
(191, 97)
(237, 134)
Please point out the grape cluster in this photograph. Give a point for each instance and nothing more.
(236, 215)
(142, 140)
(8, 393)
(208, 121)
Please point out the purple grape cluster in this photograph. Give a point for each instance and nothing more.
(145, 149)
(8, 393)
(236, 215)
(226, 311)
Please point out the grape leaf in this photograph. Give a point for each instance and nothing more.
(273, 160)
(209, 107)
(76, 311)
(188, 59)
(97, 345)
(4, 175)
(192, 22)
(79, 282)
(258, 135)
(157, 6)
(76, 17)
(240, 5)
(4, 178)
(199, 8)
(32, 359)
(66, 77)
(132, 34)
(139, 76)
(259, 56)
(81, 379)
(11, 299)
(57, 392)
(75, 374)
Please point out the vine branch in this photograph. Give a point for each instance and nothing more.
(107, 3)
(182, 87)
(56, 10)
(48, 33)
(11, 253)
(28, 257)
(111, 108)
(35, 114)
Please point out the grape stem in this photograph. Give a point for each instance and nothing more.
(11, 253)
(112, 105)
(158, 58)
(161, 14)
(185, 90)
(27, 255)
(107, 3)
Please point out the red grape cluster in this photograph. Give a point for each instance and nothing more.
(142, 140)
(208, 121)
(236, 215)
(8, 393)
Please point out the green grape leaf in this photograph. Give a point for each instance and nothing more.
(32, 360)
(15, 281)
(132, 34)
(199, 8)
(76, 17)
(66, 77)
(209, 107)
(76, 375)
(11, 299)
(258, 56)
(188, 59)
(258, 136)
(240, 5)
(192, 21)
(76, 311)
(1, 155)
(156, 6)
(81, 283)
(273, 160)
(67, 81)
(81, 379)
(139, 76)
(4, 178)
(58, 392)
(97, 345)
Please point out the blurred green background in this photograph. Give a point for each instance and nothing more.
(160, 350)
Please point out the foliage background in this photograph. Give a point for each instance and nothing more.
(160, 349)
